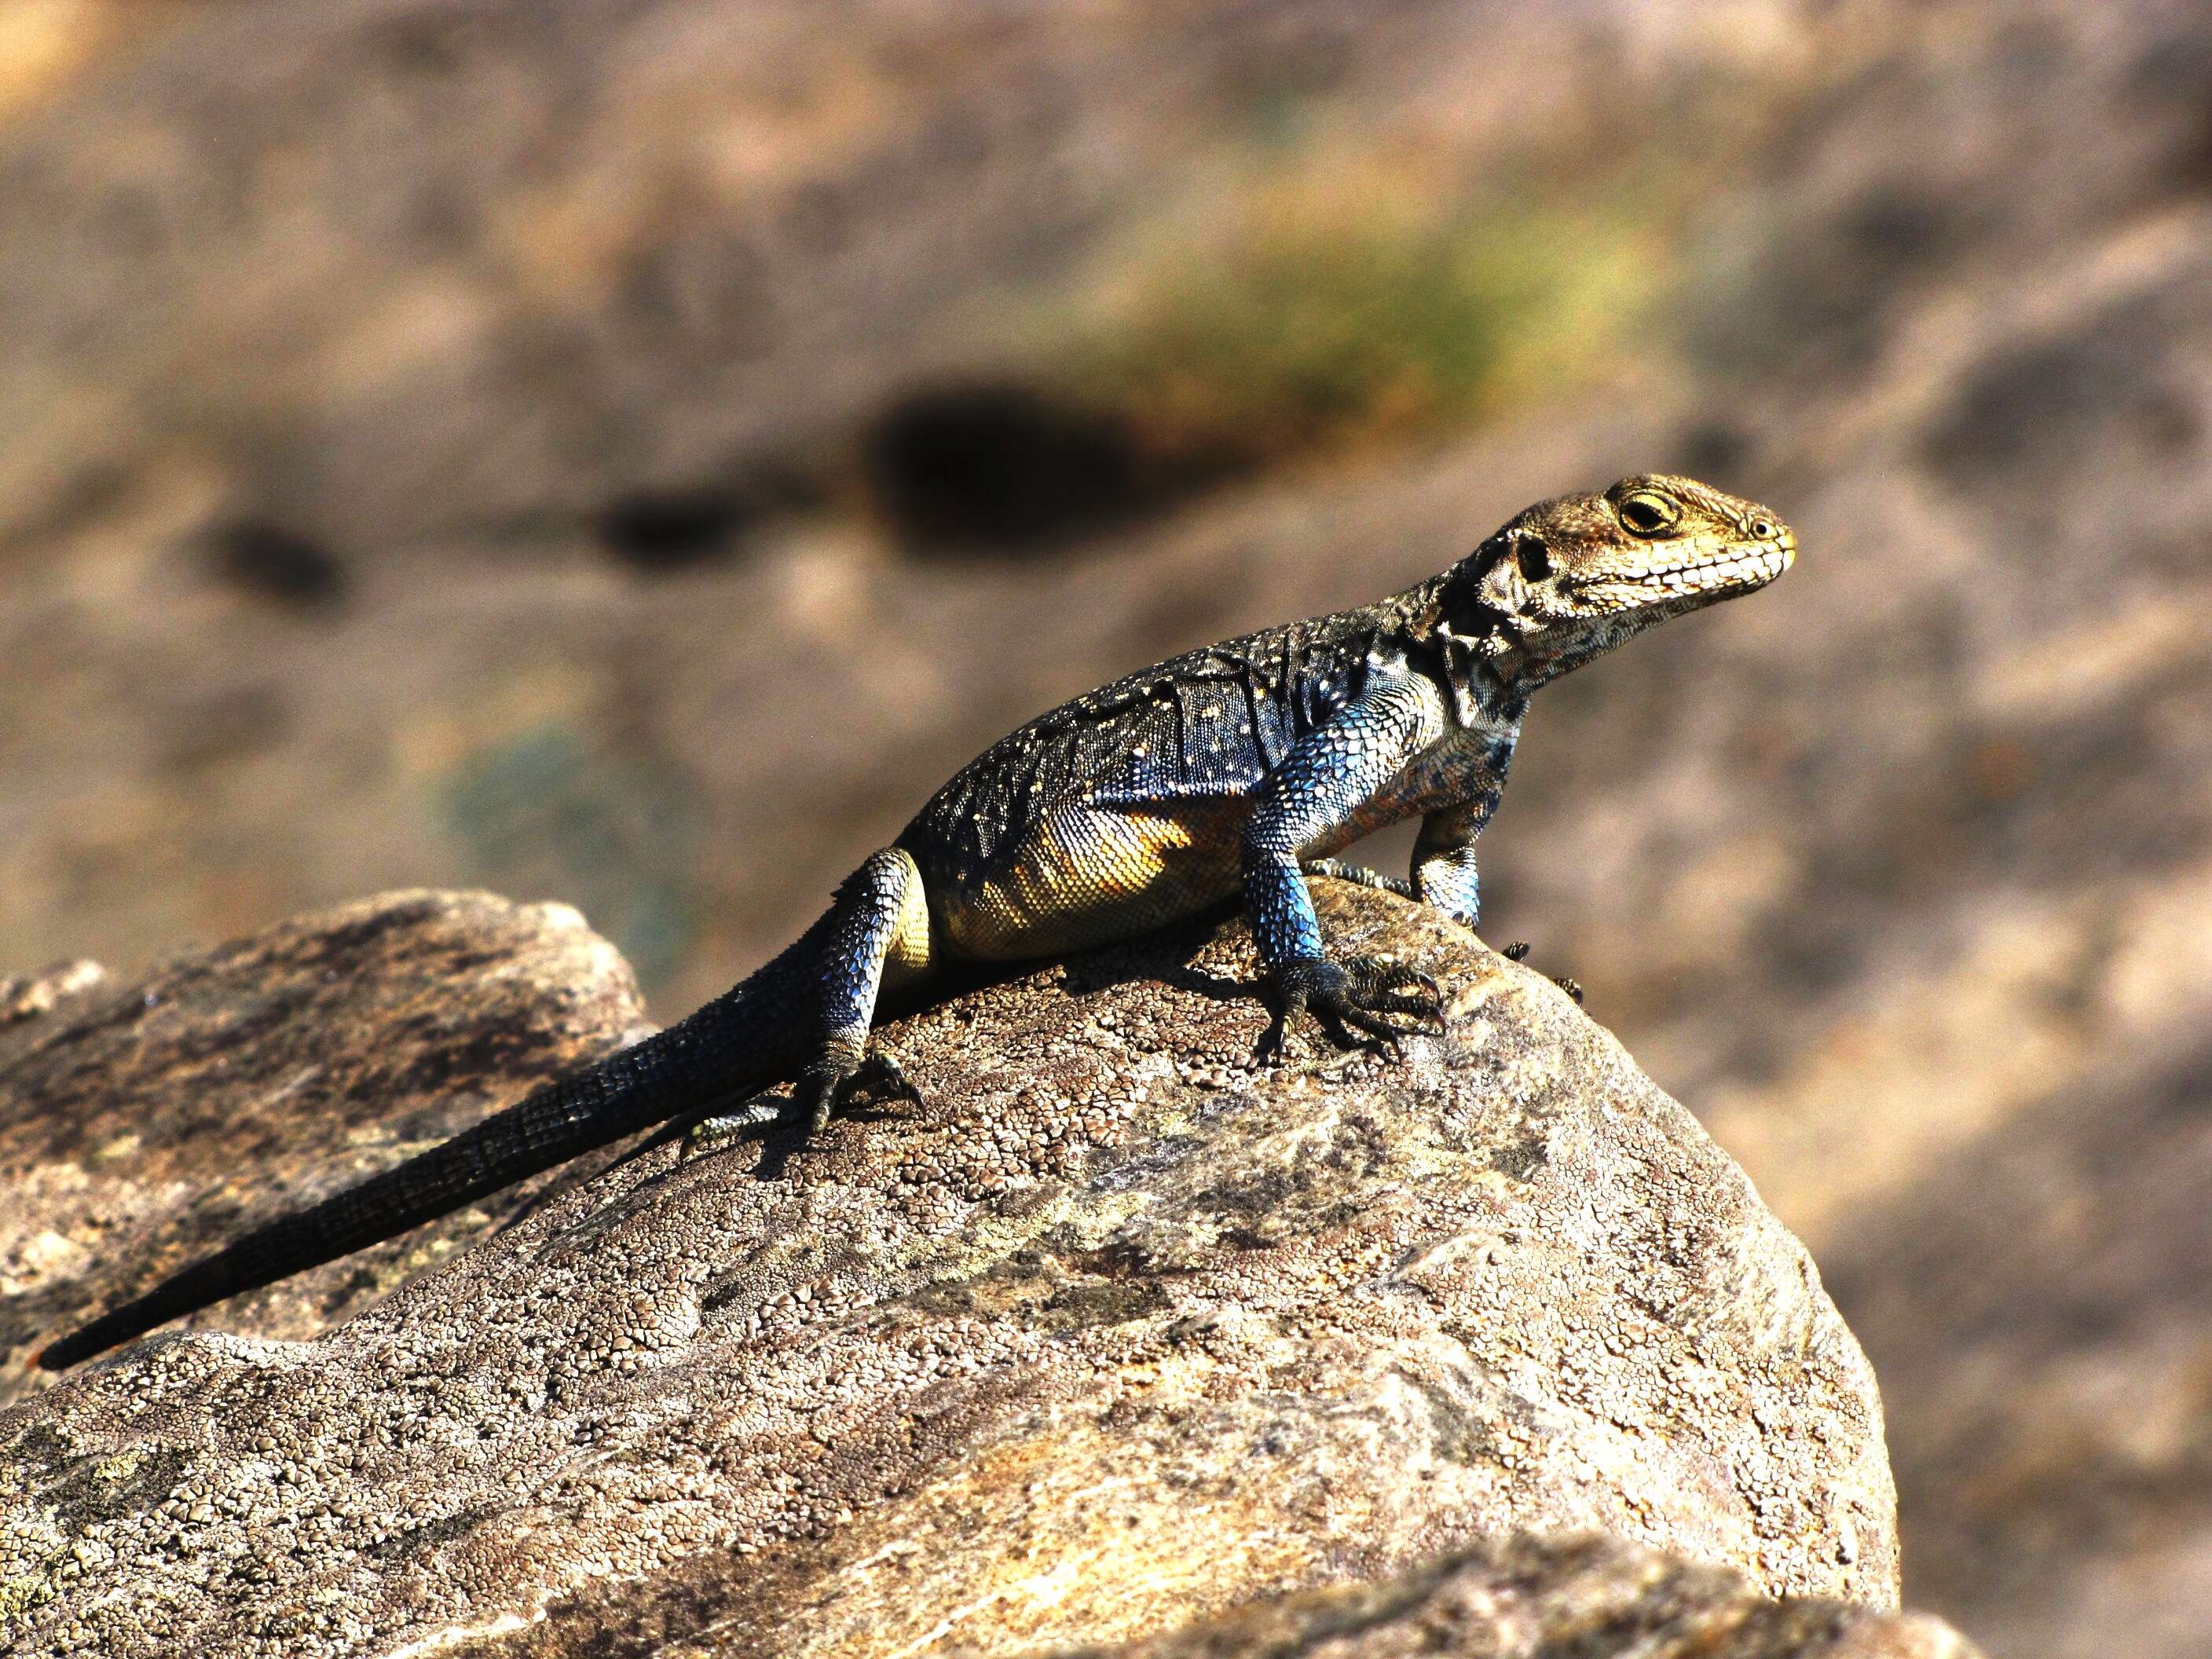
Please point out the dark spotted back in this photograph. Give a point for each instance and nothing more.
(1211, 722)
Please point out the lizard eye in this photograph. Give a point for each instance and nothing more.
(1647, 514)
(1533, 556)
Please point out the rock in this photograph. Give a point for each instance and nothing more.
(141, 1125)
(1116, 1333)
(30, 995)
(1530, 1596)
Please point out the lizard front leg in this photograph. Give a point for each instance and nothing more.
(1444, 876)
(1443, 868)
(1314, 794)
(1444, 858)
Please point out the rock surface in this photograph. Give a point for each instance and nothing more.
(1528, 1597)
(1117, 1333)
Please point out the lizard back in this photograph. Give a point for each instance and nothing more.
(1122, 808)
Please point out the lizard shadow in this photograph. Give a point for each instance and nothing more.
(1197, 982)
(1165, 958)
(782, 1135)
(1162, 959)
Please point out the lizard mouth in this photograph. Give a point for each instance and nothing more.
(1733, 565)
(1752, 564)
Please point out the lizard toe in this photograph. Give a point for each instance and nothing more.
(1338, 870)
(1376, 985)
(710, 1130)
(1377, 1000)
(1518, 951)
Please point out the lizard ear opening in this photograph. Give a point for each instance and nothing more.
(1484, 591)
(1532, 556)
(1462, 597)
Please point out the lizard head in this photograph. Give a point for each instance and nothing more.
(1568, 579)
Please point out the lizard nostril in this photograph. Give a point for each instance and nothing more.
(1764, 530)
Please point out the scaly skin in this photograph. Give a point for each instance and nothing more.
(1238, 768)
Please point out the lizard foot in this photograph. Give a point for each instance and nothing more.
(1338, 870)
(846, 1072)
(1518, 951)
(1384, 1000)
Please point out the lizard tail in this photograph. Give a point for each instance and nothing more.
(751, 1036)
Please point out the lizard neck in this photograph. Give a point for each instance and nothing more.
(1480, 666)
(1494, 663)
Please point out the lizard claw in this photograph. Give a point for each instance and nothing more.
(1518, 951)
(882, 1078)
(842, 1075)
(1383, 1000)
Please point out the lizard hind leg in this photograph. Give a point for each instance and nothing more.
(876, 934)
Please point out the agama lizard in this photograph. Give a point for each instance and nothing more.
(1239, 766)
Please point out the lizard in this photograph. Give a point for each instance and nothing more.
(1242, 767)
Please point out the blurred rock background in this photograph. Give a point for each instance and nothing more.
(629, 453)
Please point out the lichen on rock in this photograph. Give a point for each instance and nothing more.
(1120, 1330)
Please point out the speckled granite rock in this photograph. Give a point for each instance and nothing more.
(1528, 1598)
(142, 1123)
(1116, 1333)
